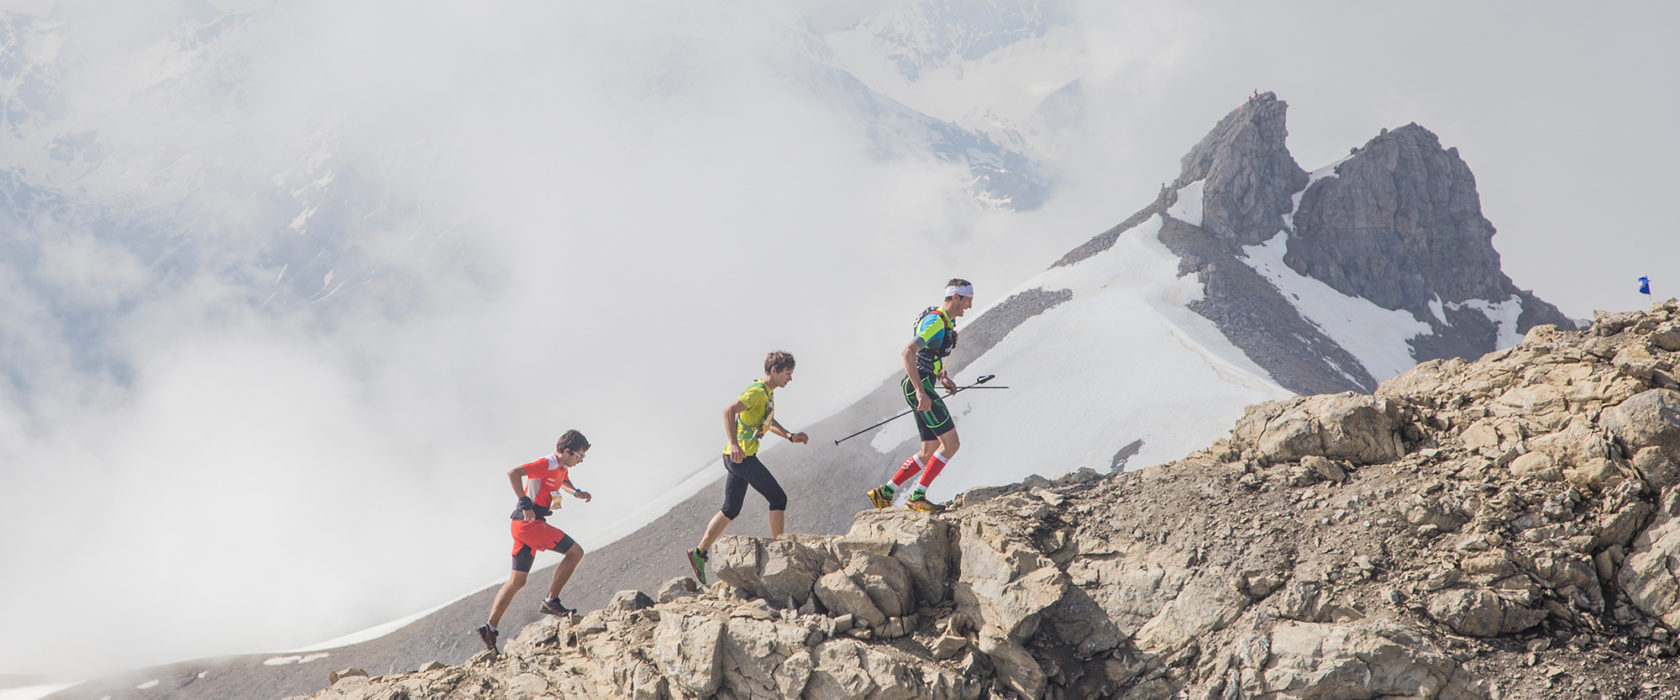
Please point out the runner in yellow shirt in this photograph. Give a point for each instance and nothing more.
(748, 418)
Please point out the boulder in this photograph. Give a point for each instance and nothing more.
(1655, 469)
(1423, 380)
(1016, 667)
(629, 600)
(886, 581)
(688, 649)
(1574, 445)
(780, 570)
(1205, 605)
(1594, 475)
(1667, 336)
(676, 588)
(1352, 660)
(1648, 574)
(767, 658)
(847, 668)
(843, 597)
(1481, 613)
(1357, 428)
(921, 545)
(1647, 419)
(1536, 465)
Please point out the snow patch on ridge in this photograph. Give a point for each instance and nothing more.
(1124, 359)
(34, 692)
(1503, 314)
(1435, 308)
(1188, 208)
(295, 659)
(1379, 338)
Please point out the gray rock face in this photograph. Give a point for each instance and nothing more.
(1399, 224)
(1250, 175)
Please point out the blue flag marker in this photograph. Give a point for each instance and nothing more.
(1644, 285)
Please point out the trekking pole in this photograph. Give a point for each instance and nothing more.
(976, 385)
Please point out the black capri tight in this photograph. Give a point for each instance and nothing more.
(749, 471)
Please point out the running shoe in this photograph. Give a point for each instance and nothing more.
(697, 562)
(489, 634)
(921, 504)
(552, 606)
(878, 497)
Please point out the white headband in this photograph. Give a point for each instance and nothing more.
(966, 290)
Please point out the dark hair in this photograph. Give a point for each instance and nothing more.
(572, 440)
(958, 282)
(778, 360)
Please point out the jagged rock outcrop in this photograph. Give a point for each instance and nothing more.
(1501, 528)
(1249, 178)
(1397, 223)
(1400, 223)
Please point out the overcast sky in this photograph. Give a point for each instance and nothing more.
(602, 217)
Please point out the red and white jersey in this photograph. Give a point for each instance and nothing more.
(543, 478)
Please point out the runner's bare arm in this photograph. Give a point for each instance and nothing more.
(791, 436)
(736, 454)
(516, 477)
(576, 492)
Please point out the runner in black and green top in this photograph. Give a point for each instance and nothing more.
(924, 359)
(748, 418)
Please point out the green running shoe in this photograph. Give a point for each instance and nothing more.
(697, 561)
(879, 498)
(921, 504)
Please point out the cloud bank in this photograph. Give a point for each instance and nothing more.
(317, 275)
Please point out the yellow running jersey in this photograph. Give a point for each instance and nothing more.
(751, 423)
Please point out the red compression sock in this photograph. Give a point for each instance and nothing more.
(933, 467)
(907, 470)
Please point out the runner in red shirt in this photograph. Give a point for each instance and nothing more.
(538, 484)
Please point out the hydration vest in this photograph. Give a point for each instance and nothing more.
(929, 359)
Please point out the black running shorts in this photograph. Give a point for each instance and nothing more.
(932, 423)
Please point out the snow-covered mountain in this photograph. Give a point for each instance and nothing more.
(983, 65)
(1133, 349)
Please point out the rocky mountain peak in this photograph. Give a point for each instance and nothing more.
(1497, 528)
(1248, 172)
(1397, 224)
(1400, 223)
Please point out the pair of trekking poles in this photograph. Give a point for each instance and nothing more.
(976, 385)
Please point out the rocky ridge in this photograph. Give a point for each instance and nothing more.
(1506, 527)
